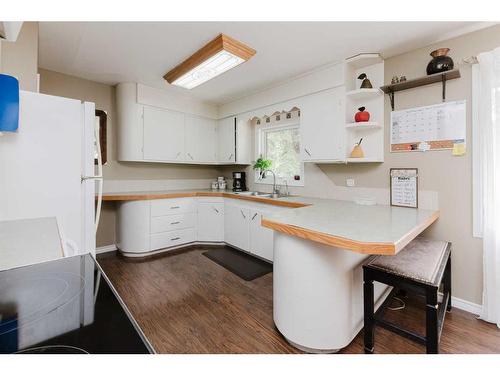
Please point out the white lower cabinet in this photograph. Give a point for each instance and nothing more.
(210, 221)
(152, 225)
(261, 238)
(236, 225)
(173, 238)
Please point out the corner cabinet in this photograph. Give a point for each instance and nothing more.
(150, 133)
(322, 126)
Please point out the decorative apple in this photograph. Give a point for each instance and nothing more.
(362, 115)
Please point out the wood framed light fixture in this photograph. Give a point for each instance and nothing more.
(216, 57)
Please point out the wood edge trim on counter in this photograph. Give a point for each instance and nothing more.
(147, 196)
(408, 237)
(381, 248)
(375, 248)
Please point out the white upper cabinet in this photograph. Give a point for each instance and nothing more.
(155, 126)
(322, 126)
(226, 136)
(164, 133)
(201, 140)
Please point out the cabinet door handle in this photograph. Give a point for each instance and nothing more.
(307, 151)
(242, 214)
(190, 156)
(178, 154)
(254, 216)
(216, 210)
(174, 207)
(175, 223)
(175, 239)
(230, 157)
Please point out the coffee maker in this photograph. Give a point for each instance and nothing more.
(239, 183)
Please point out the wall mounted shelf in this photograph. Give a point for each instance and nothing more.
(363, 125)
(421, 81)
(363, 160)
(363, 93)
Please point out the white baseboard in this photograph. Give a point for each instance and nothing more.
(105, 249)
(461, 304)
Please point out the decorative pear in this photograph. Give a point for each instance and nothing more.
(365, 84)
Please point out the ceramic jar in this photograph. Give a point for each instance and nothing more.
(440, 62)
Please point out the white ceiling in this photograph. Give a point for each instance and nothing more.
(112, 52)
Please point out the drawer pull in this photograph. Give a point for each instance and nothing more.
(175, 222)
(230, 157)
(307, 152)
(242, 214)
(216, 210)
(254, 216)
(174, 207)
(175, 239)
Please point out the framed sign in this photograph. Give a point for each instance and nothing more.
(404, 187)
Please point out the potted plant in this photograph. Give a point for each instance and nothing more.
(261, 165)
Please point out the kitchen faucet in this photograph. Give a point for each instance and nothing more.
(276, 193)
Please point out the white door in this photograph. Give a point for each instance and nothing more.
(236, 226)
(201, 139)
(261, 238)
(226, 135)
(163, 135)
(322, 125)
(211, 222)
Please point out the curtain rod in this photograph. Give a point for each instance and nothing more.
(469, 60)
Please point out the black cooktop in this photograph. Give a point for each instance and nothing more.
(65, 306)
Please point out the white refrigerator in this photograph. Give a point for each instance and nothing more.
(47, 168)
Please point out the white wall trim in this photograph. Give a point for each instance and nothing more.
(105, 249)
(462, 304)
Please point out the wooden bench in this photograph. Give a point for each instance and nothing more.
(421, 267)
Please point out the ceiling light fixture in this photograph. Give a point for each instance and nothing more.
(216, 57)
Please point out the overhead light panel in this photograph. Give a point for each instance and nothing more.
(218, 56)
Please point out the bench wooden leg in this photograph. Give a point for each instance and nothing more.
(447, 282)
(368, 315)
(432, 335)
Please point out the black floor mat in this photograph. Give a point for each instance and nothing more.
(245, 266)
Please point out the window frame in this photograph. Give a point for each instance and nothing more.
(260, 132)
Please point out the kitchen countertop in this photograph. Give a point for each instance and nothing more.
(378, 229)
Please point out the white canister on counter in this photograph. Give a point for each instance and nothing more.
(215, 185)
(222, 185)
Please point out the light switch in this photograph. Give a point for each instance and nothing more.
(349, 182)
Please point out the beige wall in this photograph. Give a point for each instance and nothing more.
(450, 176)
(20, 58)
(103, 96)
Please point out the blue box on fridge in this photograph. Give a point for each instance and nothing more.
(9, 103)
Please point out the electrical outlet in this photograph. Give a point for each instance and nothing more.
(349, 182)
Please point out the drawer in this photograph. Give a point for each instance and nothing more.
(172, 238)
(172, 222)
(162, 207)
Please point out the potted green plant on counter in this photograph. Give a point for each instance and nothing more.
(261, 165)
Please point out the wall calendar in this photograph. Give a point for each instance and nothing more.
(435, 127)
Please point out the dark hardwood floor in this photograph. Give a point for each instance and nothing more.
(186, 303)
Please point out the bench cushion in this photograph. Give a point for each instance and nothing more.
(422, 260)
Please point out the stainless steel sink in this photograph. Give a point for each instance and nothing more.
(254, 194)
